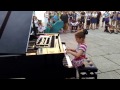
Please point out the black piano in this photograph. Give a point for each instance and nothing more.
(30, 56)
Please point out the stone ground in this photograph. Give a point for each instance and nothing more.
(103, 49)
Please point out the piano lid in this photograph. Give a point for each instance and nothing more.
(15, 27)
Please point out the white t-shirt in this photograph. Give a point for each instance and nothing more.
(88, 15)
(106, 14)
(41, 28)
(74, 24)
(36, 23)
(94, 15)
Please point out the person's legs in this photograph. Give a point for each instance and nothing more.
(97, 23)
(65, 27)
(88, 24)
(119, 25)
(103, 20)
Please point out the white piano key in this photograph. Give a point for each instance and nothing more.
(67, 57)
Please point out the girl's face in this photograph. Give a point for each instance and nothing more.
(78, 40)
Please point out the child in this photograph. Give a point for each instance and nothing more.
(110, 28)
(41, 28)
(74, 25)
(80, 51)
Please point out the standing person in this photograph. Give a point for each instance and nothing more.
(113, 21)
(98, 19)
(74, 15)
(103, 19)
(118, 21)
(78, 15)
(94, 20)
(107, 17)
(82, 18)
(35, 25)
(80, 52)
(88, 19)
(46, 16)
(113, 18)
(64, 18)
(55, 17)
(49, 23)
(70, 16)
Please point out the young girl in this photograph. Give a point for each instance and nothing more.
(41, 28)
(80, 51)
(74, 25)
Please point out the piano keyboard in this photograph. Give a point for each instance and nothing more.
(67, 58)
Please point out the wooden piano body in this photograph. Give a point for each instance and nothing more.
(22, 57)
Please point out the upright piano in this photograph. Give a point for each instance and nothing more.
(23, 55)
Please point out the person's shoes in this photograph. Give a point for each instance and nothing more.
(110, 32)
(116, 32)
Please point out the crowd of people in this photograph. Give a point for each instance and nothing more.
(77, 20)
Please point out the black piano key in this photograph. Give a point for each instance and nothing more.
(44, 41)
(58, 43)
(56, 37)
(52, 41)
(43, 45)
(39, 40)
(48, 40)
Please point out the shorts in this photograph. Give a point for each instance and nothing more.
(82, 21)
(74, 27)
(88, 22)
(94, 20)
(77, 63)
(98, 20)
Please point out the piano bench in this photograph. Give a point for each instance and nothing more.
(89, 70)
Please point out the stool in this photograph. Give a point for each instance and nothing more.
(88, 71)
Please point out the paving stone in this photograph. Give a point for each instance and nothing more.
(118, 71)
(109, 75)
(104, 65)
(114, 58)
(95, 52)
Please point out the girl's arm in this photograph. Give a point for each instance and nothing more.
(70, 50)
(76, 54)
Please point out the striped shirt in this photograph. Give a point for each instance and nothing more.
(79, 61)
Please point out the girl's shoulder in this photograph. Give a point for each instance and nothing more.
(83, 47)
(84, 44)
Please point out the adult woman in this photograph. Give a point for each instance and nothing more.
(94, 20)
